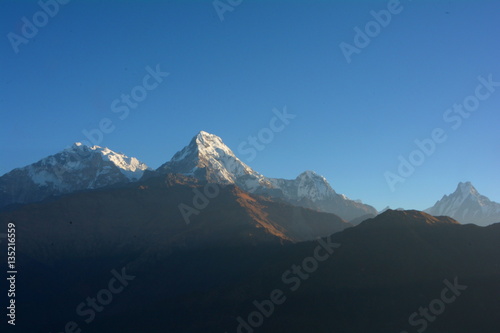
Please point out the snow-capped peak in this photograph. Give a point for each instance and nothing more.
(130, 167)
(313, 186)
(310, 174)
(77, 167)
(207, 157)
(208, 138)
(467, 205)
(211, 145)
(466, 189)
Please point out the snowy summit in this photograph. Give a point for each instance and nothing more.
(78, 167)
(466, 205)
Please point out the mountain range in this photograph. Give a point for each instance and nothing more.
(206, 158)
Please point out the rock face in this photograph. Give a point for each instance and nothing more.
(76, 168)
(208, 158)
(466, 205)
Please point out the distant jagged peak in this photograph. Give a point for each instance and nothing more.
(466, 189)
(465, 192)
(467, 205)
(314, 186)
(311, 175)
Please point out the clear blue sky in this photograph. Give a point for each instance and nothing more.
(352, 121)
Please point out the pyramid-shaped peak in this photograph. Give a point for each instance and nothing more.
(202, 135)
(207, 140)
(466, 188)
(208, 158)
(210, 144)
(309, 174)
(467, 205)
(465, 184)
(205, 134)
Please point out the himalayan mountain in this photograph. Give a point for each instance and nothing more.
(75, 168)
(466, 205)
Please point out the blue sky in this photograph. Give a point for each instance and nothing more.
(353, 120)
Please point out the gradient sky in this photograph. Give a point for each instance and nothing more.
(352, 121)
